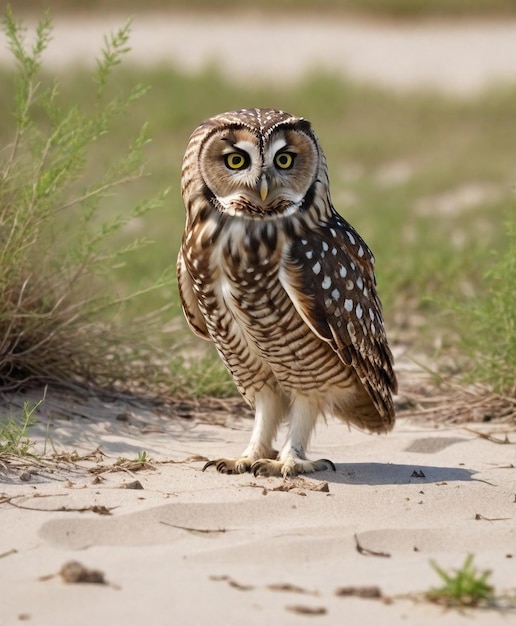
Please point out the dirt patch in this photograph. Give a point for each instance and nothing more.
(461, 58)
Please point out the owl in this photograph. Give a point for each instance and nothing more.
(282, 285)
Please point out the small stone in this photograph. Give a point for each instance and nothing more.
(75, 572)
(135, 484)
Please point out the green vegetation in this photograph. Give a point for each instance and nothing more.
(58, 316)
(390, 8)
(14, 434)
(467, 588)
(203, 375)
(490, 321)
(428, 181)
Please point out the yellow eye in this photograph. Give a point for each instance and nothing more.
(284, 160)
(236, 160)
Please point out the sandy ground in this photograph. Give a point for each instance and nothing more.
(460, 58)
(192, 547)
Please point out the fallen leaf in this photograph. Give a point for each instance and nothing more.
(360, 592)
(194, 530)
(300, 483)
(478, 516)
(290, 588)
(367, 551)
(306, 610)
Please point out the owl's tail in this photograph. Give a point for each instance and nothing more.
(355, 406)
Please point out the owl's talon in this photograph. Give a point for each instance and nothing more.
(208, 464)
(256, 468)
(228, 466)
(223, 468)
(290, 467)
(330, 464)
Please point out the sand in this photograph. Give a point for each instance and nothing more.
(192, 547)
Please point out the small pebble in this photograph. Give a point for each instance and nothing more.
(136, 484)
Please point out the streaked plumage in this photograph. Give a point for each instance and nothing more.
(282, 285)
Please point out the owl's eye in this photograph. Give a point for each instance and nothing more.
(237, 160)
(284, 160)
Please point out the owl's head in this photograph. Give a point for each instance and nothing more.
(254, 163)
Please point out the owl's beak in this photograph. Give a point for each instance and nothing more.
(264, 187)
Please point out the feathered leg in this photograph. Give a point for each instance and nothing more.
(271, 406)
(292, 460)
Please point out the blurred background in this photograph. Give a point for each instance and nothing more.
(413, 101)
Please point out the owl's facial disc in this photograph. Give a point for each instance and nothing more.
(258, 177)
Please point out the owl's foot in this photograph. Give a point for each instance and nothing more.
(243, 463)
(290, 467)
(230, 466)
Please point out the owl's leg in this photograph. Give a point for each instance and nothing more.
(271, 406)
(292, 459)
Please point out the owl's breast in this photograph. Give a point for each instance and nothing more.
(249, 315)
(247, 261)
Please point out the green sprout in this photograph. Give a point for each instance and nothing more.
(14, 434)
(467, 588)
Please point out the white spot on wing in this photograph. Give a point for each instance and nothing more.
(326, 283)
(316, 268)
(293, 295)
(348, 305)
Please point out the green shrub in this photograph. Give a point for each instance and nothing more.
(489, 324)
(59, 305)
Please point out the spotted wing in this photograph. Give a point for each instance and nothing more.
(188, 299)
(328, 274)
